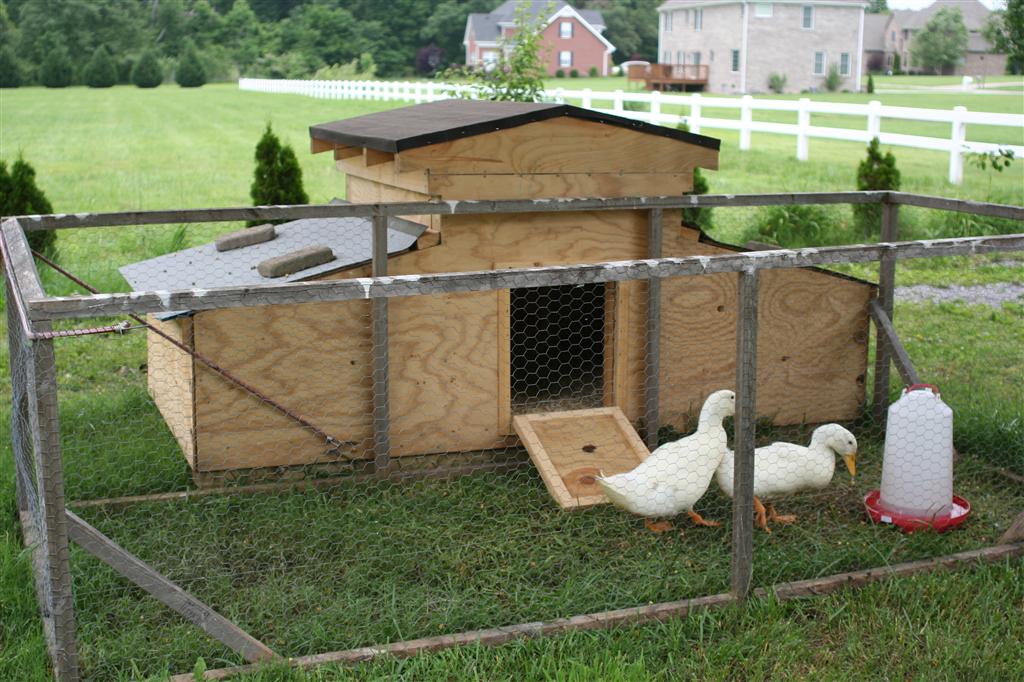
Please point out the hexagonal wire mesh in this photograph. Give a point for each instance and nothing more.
(266, 460)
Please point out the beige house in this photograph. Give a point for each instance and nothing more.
(744, 43)
(887, 35)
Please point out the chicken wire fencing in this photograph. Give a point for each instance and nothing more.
(374, 454)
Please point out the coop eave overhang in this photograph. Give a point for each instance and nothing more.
(422, 125)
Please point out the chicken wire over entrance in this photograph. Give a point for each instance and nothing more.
(414, 530)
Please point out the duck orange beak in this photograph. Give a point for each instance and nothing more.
(851, 463)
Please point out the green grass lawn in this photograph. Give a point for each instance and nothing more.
(358, 564)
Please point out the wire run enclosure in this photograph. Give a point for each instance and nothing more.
(464, 540)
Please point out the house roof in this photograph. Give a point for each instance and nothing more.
(874, 31)
(974, 13)
(487, 27)
(422, 125)
(683, 4)
(204, 267)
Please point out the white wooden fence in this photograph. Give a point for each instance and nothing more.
(651, 109)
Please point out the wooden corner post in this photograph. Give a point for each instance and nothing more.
(886, 288)
(745, 419)
(653, 360)
(381, 372)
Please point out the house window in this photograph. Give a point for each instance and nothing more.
(698, 19)
(735, 61)
(668, 21)
(819, 63)
(711, 55)
(680, 57)
(808, 17)
(565, 29)
(666, 58)
(844, 64)
(565, 59)
(763, 9)
(695, 58)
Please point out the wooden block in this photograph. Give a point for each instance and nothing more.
(246, 237)
(570, 448)
(296, 261)
(374, 157)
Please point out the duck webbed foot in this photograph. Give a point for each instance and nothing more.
(776, 517)
(657, 526)
(761, 515)
(701, 521)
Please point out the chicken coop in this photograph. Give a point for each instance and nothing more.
(460, 367)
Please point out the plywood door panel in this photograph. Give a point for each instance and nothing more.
(560, 145)
(312, 358)
(570, 448)
(171, 380)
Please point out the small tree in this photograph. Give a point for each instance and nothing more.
(10, 69)
(875, 172)
(190, 73)
(19, 195)
(896, 70)
(1005, 32)
(146, 73)
(942, 43)
(100, 71)
(777, 83)
(871, 84)
(55, 71)
(699, 217)
(833, 79)
(278, 176)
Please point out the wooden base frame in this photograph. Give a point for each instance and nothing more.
(633, 616)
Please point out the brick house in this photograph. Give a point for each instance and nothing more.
(887, 35)
(571, 38)
(744, 43)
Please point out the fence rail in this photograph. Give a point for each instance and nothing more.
(652, 103)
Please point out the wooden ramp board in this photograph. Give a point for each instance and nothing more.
(570, 448)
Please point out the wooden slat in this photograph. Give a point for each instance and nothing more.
(570, 448)
(886, 289)
(62, 307)
(504, 362)
(652, 378)
(745, 420)
(496, 186)
(892, 340)
(381, 368)
(143, 575)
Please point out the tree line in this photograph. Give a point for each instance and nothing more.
(262, 38)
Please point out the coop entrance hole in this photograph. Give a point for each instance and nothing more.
(557, 344)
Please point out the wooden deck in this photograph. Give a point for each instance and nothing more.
(670, 76)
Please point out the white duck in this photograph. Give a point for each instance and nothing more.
(784, 468)
(677, 474)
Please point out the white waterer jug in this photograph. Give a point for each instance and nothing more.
(917, 469)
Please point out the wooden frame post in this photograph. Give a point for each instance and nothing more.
(886, 288)
(653, 352)
(745, 419)
(381, 372)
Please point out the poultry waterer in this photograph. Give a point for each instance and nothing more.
(917, 467)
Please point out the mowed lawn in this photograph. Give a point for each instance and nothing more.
(485, 551)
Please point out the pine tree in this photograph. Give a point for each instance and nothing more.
(146, 73)
(100, 71)
(19, 195)
(875, 172)
(55, 71)
(278, 176)
(190, 73)
(697, 217)
(10, 70)
(871, 84)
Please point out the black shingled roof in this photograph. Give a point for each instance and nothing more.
(422, 125)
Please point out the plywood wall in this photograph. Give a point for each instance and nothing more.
(171, 380)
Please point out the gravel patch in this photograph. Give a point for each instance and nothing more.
(981, 294)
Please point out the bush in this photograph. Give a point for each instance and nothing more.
(798, 226)
(833, 79)
(100, 71)
(147, 72)
(190, 72)
(574, 74)
(875, 172)
(124, 70)
(19, 195)
(593, 72)
(871, 84)
(559, 74)
(278, 177)
(697, 217)
(10, 69)
(777, 83)
(896, 70)
(55, 71)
